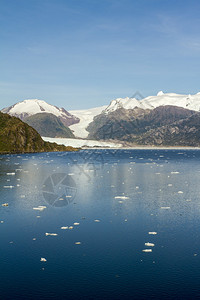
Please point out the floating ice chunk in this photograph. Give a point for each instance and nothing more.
(71, 227)
(52, 234)
(147, 250)
(5, 204)
(2, 222)
(8, 186)
(76, 223)
(40, 207)
(153, 232)
(34, 239)
(174, 172)
(169, 184)
(122, 197)
(165, 207)
(64, 227)
(10, 174)
(149, 244)
(78, 243)
(97, 221)
(180, 192)
(43, 259)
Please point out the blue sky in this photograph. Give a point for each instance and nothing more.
(84, 53)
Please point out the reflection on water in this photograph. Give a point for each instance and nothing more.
(111, 200)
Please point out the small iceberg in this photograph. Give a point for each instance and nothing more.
(153, 232)
(122, 197)
(43, 259)
(149, 244)
(165, 207)
(52, 234)
(5, 204)
(77, 243)
(64, 227)
(76, 223)
(147, 250)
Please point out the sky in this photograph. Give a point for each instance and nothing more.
(83, 53)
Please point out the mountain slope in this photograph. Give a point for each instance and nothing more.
(18, 137)
(185, 132)
(127, 125)
(49, 125)
(31, 107)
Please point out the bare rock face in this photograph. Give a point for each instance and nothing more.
(164, 125)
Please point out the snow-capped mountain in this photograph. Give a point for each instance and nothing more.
(31, 107)
(191, 102)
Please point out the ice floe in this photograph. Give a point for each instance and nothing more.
(52, 234)
(165, 207)
(147, 250)
(153, 232)
(121, 197)
(43, 259)
(149, 244)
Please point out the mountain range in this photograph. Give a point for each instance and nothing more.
(165, 119)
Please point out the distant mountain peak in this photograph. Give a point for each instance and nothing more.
(30, 107)
(160, 93)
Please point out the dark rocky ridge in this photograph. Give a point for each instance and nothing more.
(164, 125)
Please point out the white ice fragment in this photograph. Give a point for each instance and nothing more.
(97, 221)
(174, 172)
(78, 243)
(76, 223)
(121, 197)
(147, 250)
(52, 234)
(5, 204)
(10, 174)
(165, 207)
(64, 227)
(180, 192)
(153, 232)
(8, 186)
(43, 259)
(149, 244)
(71, 227)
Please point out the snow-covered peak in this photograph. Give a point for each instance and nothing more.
(127, 103)
(29, 107)
(160, 93)
(191, 102)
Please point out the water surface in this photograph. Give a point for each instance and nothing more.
(117, 197)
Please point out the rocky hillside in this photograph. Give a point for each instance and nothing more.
(18, 137)
(164, 125)
(49, 125)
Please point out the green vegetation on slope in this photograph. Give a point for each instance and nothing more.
(49, 125)
(18, 137)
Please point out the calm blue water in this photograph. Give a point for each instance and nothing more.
(157, 191)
